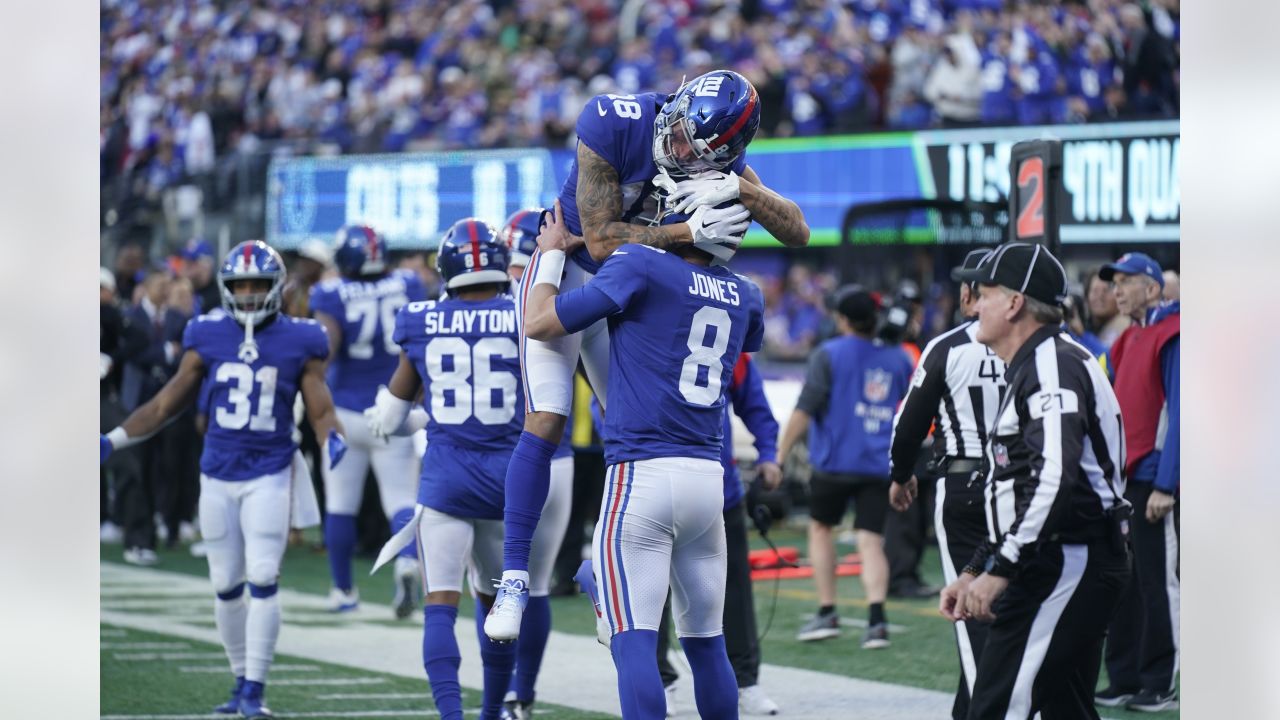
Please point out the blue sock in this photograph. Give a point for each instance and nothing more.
(635, 654)
(499, 660)
(528, 482)
(441, 658)
(340, 542)
(398, 521)
(535, 629)
(714, 686)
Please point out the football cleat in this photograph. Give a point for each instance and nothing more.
(753, 701)
(517, 710)
(340, 601)
(252, 703)
(232, 705)
(408, 587)
(586, 579)
(503, 622)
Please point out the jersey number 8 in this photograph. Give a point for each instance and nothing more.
(471, 398)
(700, 356)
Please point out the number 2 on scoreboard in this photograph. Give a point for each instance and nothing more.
(1031, 214)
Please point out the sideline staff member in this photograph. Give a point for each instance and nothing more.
(1050, 574)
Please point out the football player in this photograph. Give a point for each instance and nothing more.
(677, 324)
(256, 360)
(638, 157)
(461, 353)
(520, 232)
(358, 311)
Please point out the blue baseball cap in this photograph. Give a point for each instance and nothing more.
(196, 249)
(1133, 263)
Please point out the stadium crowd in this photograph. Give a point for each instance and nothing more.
(186, 83)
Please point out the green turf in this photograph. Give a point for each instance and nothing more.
(160, 687)
(922, 655)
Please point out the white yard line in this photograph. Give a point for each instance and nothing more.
(375, 696)
(142, 645)
(577, 672)
(152, 657)
(214, 669)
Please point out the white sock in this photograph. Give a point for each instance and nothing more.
(263, 628)
(229, 616)
(522, 575)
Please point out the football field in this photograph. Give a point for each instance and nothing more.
(160, 656)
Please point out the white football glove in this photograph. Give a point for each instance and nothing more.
(709, 224)
(710, 189)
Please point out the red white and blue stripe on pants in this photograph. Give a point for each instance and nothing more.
(617, 596)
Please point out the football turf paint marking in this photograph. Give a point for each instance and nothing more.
(326, 681)
(375, 696)
(360, 640)
(224, 669)
(153, 657)
(143, 645)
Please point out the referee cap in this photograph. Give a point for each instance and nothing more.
(972, 260)
(1022, 267)
(1134, 263)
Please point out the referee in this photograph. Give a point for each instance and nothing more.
(956, 389)
(1049, 577)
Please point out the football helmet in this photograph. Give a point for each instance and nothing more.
(520, 232)
(472, 253)
(252, 260)
(359, 250)
(707, 124)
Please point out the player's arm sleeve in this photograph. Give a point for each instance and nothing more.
(620, 282)
(191, 334)
(917, 412)
(400, 333)
(750, 404)
(817, 384)
(322, 300)
(1054, 432)
(1169, 472)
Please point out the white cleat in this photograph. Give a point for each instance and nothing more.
(670, 691)
(340, 601)
(753, 701)
(408, 588)
(503, 622)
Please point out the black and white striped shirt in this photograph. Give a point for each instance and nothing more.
(957, 387)
(1056, 453)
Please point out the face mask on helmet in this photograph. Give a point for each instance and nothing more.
(260, 298)
(706, 125)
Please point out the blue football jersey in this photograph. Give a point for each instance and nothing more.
(852, 432)
(619, 128)
(673, 344)
(366, 310)
(250, 405)
(466, 355)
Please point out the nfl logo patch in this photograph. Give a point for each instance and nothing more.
(1001, 454)
(875, 385)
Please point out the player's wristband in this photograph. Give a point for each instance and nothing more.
(550, 268)
(121, 440)
(391, 410)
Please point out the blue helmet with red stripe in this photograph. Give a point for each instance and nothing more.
(472, 253)
(252, 260)
(359, 250)
(520, 232)
(707, 124)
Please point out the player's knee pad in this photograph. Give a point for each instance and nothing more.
(263, 572)
(263, 592)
